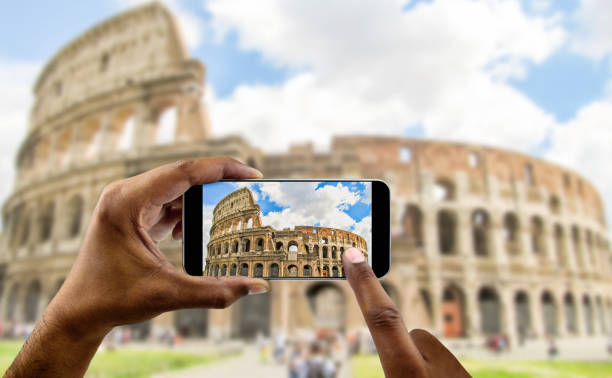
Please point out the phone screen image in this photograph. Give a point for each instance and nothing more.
(284, 229)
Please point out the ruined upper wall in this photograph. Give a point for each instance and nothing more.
(234, 203)
(130, 48)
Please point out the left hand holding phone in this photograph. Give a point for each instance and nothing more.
(121, 277)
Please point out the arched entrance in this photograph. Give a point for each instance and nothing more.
(588, 315)
(570, 314)
(31, 302)
(522, 315)
(191, 322)
(549, 313)
(251, 315)
(453, 311)
(489, 305)
(327, 305)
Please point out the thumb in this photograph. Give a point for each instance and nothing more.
(216, 292)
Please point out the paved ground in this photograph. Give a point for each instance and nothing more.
(246, 365)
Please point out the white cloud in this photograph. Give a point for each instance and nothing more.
(583, 144)
(369, 68)
(207, 215)
(191, 26)
(17, 78)
(364, 229)
(593, 36)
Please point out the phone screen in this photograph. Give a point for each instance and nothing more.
(284, 229)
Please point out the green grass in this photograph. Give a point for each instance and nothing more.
(368, 366)
(124, 363)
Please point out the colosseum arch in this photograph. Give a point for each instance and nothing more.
(244, 269)
(292, 271)
(560, 247)
(292, 246)
(453, 311)
(538, 243)
(577, 244)
(589, 247)
(522, 314)
(235, 246)
(259, 244)
(444, 190)
(251, 316)
(246, 245)
(588, 315)
(279, 246)
(11, 305)
(335, 271)
(480, 233)
(549, 313)
(325, 252)
(32, 300)
(233, 270)
(74, 216)
(23, 231)
(554, 204)
(45, 222)
(121, 131)
(258, 270)
(412, 226)
(274, 270)
(327, 303)
(191, 322)
(601, 316)
(307, 271)
(334, 252)
(571, 323)
(62, 148)
(166, 122)
(511, 234)
(224, 270)
(447, 232)
(89, 138)
(490, 311)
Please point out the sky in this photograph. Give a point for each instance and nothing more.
(343, 205)
(533, 76)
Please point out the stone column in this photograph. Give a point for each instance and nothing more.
(561, 318)
(498, 240)
(537, 316)
(525, 240)
(472, 310)
(549, 244)
(568, 247)
(145, 127)
(580, 315)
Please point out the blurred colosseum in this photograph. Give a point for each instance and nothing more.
(240, 245)
(485, 241)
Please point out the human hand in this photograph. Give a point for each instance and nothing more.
(403, 354)
(121, 277)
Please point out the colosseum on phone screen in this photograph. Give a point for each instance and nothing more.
(284, 229)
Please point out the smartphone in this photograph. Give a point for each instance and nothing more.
(285, 229)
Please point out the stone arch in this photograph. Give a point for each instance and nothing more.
(233, 270)
(444, 190)
(490, 310)
(327, 303)
(549, 313)
(11, 304)
(480, 232)
(249, 223)
(292, 271)
(392, 292)
(601, 315)
(274, 270)
(511, 233)
(537, 235)
(225, 248)
(554, 205)
(24, 230)
(258, 270)
(235, 246)
(216, 274)
(45, 222)
(335, 272)
(167, 121)
(412, 226)
(453, 311)
(74, 215)
(325, 271)
(315, 249)
(292, 246)
(334, 252)
(325, 252)
(307, 271)
(560, 249)
(577, 244)
(569, 305)
(589, 246)
(259, 244)
(588, 315)
(279, 246)
(447, 232)
(246, 245)
(522, 314)
(323, 240)
(126, 124)
(32, 300)
(224, 270)
(251, 316)
(191, 322)
(244, 269)
(89, 137)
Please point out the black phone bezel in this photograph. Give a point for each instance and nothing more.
(381, 228)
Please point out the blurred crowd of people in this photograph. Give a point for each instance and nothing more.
(318, 355)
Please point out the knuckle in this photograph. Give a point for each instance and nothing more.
(384, 317)
(221, 299)
(185, 167)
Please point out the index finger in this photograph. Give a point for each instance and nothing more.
(398, 353)
(168, 182)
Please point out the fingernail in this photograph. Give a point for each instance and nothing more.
(257, 289)
(257, 173)
(353, 255)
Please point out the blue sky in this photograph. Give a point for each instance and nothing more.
(532, 76)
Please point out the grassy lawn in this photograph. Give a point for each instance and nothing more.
(368, 366)
(125, 363)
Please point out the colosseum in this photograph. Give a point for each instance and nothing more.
(485, 241)
(305, 251)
